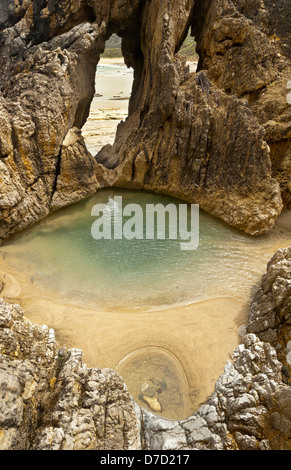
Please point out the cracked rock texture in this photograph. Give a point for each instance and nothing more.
(219, 138)
(270, 316)
(50, 399)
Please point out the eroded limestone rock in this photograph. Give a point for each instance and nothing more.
(250, 407)
(49, 399)
(270, 316)
(219, 138)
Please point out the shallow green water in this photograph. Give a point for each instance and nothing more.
(61, 255)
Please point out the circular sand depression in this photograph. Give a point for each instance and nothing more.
(143, 307)
(156, 379)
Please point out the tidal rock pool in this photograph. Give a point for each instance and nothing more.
(167, 319)
(60, 254)
(157, 380)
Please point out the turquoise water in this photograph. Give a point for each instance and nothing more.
(60, 255)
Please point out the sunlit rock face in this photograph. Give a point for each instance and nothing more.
(219, 137)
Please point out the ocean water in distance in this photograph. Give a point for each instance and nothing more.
(110, 105)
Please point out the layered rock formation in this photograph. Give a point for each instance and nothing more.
(219, 138)
(50, 399)
(270, 316)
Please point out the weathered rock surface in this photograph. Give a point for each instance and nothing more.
(270, 316)
(219, 138)
(49, 399)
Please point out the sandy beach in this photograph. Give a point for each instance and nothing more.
(200, 336)
(114, 60)
(189, 340)
(110, 104)
(190, 343)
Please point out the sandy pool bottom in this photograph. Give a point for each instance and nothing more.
(177, 354)
(170, 357)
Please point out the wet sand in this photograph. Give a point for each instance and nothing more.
(200, 336)
(110, 104)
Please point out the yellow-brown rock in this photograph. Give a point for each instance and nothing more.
(219, 137)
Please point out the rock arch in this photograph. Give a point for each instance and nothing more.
(207, 138)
